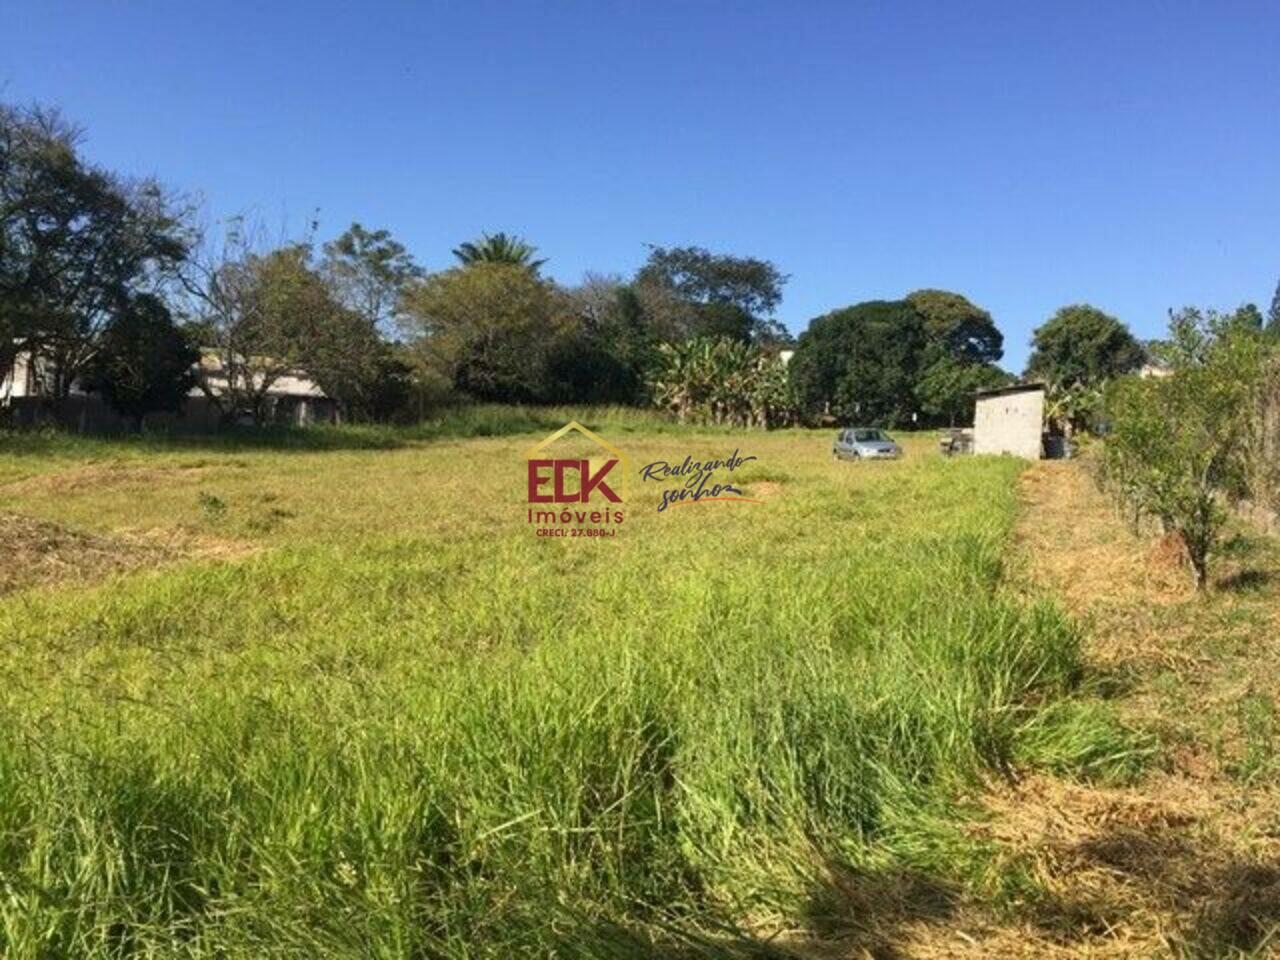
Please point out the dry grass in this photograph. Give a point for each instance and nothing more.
(38, 552)
(41, 553)
(1187, 862)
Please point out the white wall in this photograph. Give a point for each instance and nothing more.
(16, 383)
(1010, 423)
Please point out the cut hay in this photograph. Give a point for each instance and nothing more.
(37, 552)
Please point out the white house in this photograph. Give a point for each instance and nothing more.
(291, 398)
(20, 380)
(1010, 420)
(29, 376)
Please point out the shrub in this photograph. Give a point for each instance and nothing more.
(1179, 447)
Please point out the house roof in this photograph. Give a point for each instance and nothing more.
(291, 383)
(1011, 389)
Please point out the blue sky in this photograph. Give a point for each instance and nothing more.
(1027, 155)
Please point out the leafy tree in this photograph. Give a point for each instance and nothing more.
(1182, 444)
(964, 331)
(76, 241)
(248, 310)
(961, 350)
(1082, 345)
(1074, 407)
(264, 316)
(862, 363)
(367, 271)
(1193, 334)
(945, 391)
(691, 292)
(1273, 314)
(144, 363)
(488, 330)
(352, 364)
(501, 249)
(606, 356)
(1248, 316)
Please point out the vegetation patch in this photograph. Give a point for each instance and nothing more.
(37, 552)
(699, 734)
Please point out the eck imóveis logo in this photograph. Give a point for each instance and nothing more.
(578, 491)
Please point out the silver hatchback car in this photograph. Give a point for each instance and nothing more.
(865, 443)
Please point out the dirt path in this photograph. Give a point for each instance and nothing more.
(1185, 863)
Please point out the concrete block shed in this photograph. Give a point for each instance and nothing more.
(1010, 420)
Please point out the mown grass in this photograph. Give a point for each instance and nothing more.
(403, 726)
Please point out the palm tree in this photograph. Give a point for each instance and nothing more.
(499, 248)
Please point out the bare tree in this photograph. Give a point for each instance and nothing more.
(246, 342)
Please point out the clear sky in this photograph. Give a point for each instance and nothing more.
(1026, 154)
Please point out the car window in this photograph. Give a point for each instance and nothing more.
(862, 436)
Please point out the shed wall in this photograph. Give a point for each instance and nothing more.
(1011, 423)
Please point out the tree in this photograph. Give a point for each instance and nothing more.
(862, 363)
(964, 331)
(961, 350)
(946, 390)
(264, 316)
(1075, 407)
(367, 272)
(1082, 345)
(75, 242)
(144, 363)
(1193, 334)
(1182, 444)
(1248, 316)
(239, 306)
(499, 248)
(354, 366)
(690, 292)
(1273, 314)
(487, 330)
(606, 356)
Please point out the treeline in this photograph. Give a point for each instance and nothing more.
(116, 287)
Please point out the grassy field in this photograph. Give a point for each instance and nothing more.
(328, 696)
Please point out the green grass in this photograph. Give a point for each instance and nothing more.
(393, 723)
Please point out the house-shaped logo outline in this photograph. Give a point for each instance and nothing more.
(537, 449)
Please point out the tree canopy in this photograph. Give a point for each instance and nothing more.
(1081, 345)
(965, 331)
(882, 361)
(487, 330)
(77, 243)
(367, 271)
(692, 292)
(144, 363)
(861, 363)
